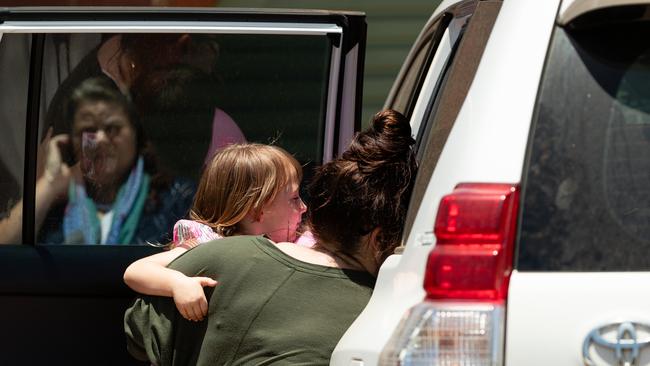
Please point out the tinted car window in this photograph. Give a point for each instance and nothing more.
(418, 64)
(136, 116)
(586, 205)
(14, 76)
(445, 103)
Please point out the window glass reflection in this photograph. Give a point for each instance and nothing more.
(14, 76)
(130, 126)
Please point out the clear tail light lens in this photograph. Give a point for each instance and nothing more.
(447, 335)
(461, 321)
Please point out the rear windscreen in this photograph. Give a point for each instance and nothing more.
(586, 199)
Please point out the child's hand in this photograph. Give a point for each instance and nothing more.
(189, 296)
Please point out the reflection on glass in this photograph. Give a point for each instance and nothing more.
(587, 201)
(184, 97)
(14, 76)
(101, 185)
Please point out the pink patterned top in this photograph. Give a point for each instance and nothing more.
(189, 233)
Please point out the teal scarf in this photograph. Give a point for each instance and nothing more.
(81, 223)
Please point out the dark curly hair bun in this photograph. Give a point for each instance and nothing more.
(368, 187)
(387, 140)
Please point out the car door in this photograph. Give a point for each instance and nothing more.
(287, 77)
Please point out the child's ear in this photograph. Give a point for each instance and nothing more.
(253, 216)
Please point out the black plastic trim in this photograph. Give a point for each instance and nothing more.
(523, 181)
(67, 270)
(356, 35)
(446, 19)
(31, 138)
(362, 36)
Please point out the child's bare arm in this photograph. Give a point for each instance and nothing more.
(150, 276)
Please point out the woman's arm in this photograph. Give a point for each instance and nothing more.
(12, 226)
(53, 177)
(150, 276)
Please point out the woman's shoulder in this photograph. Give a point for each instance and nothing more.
(307, 254)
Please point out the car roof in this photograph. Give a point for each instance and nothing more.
(569, 9)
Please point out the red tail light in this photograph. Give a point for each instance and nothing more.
(461, 322)
(475, 230)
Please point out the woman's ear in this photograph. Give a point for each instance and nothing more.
(374, 243)
(372, 252)
(374, 237)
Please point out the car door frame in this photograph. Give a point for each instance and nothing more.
(79, 289)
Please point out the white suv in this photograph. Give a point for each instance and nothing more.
(529, 229)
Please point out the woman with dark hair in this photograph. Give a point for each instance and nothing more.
(280, 302)
(100, 184)
(364, 194)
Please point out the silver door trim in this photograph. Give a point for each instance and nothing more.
(169, 27)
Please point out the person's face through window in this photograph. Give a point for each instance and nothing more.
(283, 215)
(104, 141)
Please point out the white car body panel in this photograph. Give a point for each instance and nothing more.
(544, 306)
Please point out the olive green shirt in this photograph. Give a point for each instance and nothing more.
(268, 308)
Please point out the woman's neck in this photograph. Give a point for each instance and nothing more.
(104, 192)
(356, 262)
(320, 255)
(101, 195)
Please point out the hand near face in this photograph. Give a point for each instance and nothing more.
(51, 167)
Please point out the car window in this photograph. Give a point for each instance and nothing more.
(443, 103)
(411, 79)
(14, 77)
(586, 202)
(136, 116)
(423, 75)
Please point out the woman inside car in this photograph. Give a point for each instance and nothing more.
(280, 302)
(98, 183)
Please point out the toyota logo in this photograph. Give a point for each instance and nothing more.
(626, 346)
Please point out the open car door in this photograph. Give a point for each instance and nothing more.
(197, 79)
